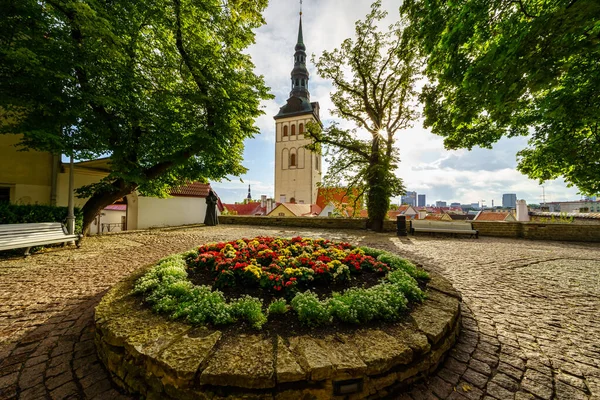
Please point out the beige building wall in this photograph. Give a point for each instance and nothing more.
(281, 211)
(82, 177)
(28, 174)
(173, 211)
(295, 182)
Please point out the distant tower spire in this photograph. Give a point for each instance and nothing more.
(300, 73)
(249, 195)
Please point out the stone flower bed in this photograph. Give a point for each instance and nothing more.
(160, 357)
(317, 276)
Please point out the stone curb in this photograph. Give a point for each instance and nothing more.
(150, 355)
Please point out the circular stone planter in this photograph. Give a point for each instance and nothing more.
(150, 355)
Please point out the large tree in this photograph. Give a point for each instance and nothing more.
(161, 86)
(506, 68)
(373, 77)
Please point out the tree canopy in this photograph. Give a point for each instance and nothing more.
(506, 68)
(161, 86)
(373, 77)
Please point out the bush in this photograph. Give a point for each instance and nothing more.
(278, 306)
(397, 262)
(407, 285)
(249, 309)
(311, 311)
(35, 213)
(383, 301)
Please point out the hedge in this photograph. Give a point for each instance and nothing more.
(34, 213)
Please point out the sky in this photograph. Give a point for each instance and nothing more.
(426, 167)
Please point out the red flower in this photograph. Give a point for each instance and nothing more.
(271, 277)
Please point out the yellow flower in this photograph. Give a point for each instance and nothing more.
(254, 269)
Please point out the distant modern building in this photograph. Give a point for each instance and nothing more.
(421, 200)
(454, 204)
(409, 198)
(509, 200)
(440, 203)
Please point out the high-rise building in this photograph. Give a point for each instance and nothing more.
(421, 200)
(297, 170)
(440, 203)
(409, 198)
(509, 200)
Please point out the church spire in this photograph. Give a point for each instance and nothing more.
(300, 73)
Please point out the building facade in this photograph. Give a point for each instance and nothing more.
(297, 170)
(509, 200)
(421, 200)
(410, 198)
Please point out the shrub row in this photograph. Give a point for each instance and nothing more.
(167, 289)
(35, 213)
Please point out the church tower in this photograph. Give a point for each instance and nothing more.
(297, 170)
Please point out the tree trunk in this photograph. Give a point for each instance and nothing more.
(99, 200)
(377, 198)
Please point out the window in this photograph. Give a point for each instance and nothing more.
(316, 162)
(285, 130)
(4, 194)
(301, 129)
(293, 200)
(293, 160)
(281, 214)
(293, 130)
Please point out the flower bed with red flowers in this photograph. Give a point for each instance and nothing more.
(322, 280)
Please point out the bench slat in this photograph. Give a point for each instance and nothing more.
(39, 243)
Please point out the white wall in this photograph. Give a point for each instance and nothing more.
(106, 217)
(173, 211)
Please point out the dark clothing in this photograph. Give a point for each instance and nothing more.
(211, 218)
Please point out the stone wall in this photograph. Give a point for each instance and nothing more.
(539, 231)
(524, 230)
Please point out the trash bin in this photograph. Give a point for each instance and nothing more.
(401, 225)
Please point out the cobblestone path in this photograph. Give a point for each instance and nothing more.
(531, 326)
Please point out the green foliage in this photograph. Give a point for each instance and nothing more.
(165, 87)
(373, 252)
(249, 309)
(311, 311)
(278, 306)
(397, 262)
(383, 301)
(35, 213)
(509, 68)
(377, 95)
(406, 284)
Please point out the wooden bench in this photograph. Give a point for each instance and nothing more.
(17, 236)
(443, 227)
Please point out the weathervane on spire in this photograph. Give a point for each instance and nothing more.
(300, 7)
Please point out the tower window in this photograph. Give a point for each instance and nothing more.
(301, 129)
(297, 82)
(293, 130)
(293, 160)
(285, 130)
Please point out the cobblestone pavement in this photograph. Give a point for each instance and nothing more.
(531, 315)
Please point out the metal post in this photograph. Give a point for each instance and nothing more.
(71, 211)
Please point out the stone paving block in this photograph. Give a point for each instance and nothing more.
(286, 367)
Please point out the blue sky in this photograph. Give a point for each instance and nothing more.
(426, 167)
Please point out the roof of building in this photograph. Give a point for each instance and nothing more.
(194, 189)
(434, 217)
(246, 209)
(116, 207)
(564, 214)
(491, 216)
(461, 217)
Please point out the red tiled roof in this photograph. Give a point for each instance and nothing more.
(434, 217)
(246, 209)
(194, 189)
(491, 216)
(116, 207)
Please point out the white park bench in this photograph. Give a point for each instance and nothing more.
(443, 227)
(17, 236)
